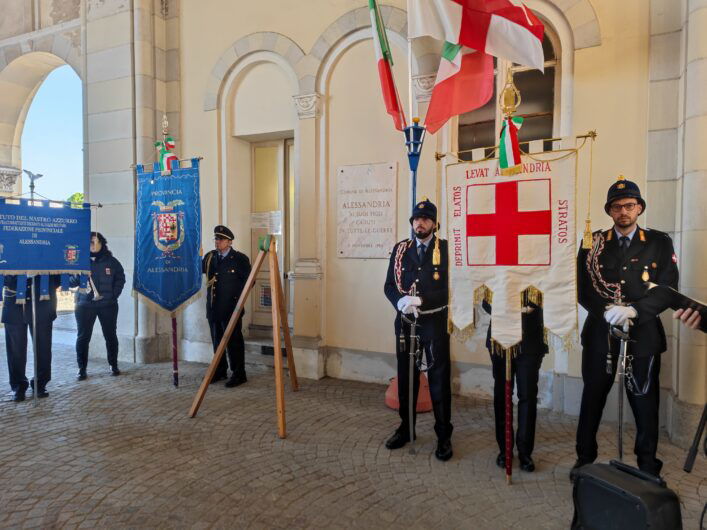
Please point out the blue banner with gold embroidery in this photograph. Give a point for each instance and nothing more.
(168, 235)
(44, 237)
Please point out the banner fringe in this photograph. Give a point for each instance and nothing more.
(512, 170)
(154, 305)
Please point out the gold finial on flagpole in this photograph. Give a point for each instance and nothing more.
(165, 127)
(510, 99)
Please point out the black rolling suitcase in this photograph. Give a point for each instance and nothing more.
(617, 496)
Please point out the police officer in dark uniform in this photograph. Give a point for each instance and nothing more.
(17, 318)
(416, 285)
(226, 272)
(101, 301)
(612, 278)
(525, 369)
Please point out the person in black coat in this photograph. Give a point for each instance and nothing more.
(611, 284)
(525, 369)
(412, 265)
(101, 301)
(226, 272)
(17, 318)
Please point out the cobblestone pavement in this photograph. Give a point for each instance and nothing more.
(122, 452)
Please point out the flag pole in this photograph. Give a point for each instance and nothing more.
(175, 350)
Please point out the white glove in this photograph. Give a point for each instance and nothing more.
(617, 315)
(527, 309)
(406, 301)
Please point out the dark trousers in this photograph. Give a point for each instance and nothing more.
(525, 368)
(235, 348)
(439, 377)
(85, 319)
(16, 346)
(597, 384)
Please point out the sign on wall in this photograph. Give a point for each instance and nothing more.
(366, 210)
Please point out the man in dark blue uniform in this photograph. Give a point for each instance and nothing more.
(611, 283)
(416, 285)
(226, 272)
(17, 318)
(525, 369)
(101, 301)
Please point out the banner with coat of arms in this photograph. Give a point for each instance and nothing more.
(168, 235)
(44, 237)
(512, 239)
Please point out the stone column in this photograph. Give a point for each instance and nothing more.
(307, 276)
(120, 131)
(692, 196)
(665, 82)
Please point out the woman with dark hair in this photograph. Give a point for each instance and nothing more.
(101, 301)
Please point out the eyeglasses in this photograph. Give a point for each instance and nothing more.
(629, 207)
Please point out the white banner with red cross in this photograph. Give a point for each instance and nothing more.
(509, 233)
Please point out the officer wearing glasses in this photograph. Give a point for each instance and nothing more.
(611, 282)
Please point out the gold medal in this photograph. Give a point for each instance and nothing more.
(645, 276)
(436, 275)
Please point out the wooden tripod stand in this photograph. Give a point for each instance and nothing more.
(267, 248)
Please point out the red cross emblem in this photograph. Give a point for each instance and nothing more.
(509, 223)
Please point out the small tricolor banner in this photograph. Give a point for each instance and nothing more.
(509, 149)
(509, 233)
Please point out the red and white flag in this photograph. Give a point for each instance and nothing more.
(384, 59)
(471, 32)
(509, 233)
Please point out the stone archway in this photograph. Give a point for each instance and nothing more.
(19, 82)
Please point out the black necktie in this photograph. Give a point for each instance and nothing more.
(421, 252)
(625, 242)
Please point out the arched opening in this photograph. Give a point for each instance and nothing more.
(258, 133)
(41, 130)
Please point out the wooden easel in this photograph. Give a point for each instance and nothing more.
(267, 248)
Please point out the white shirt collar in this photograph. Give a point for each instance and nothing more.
(225, 252)
(425, 241)
(629, 235)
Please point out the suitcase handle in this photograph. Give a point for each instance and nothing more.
(637, 473)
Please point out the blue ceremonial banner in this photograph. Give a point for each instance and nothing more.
(168, 235)
(44, 237)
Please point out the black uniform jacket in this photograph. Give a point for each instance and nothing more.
(225, 282)
(108, 277)
(650, 251)
(434, 293)
(533, 339)
(14, 313)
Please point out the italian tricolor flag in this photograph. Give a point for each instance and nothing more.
(471, 32)
(509, 150)
(385, 62)
(464, 83)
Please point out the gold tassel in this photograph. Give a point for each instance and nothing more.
(587, 239)
(436, 255)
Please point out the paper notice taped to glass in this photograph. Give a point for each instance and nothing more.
(270, 221)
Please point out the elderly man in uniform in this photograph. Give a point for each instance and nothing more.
(611, 281)
(416, 285)
(226, 272)
(17, 317)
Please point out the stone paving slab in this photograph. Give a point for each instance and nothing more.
(122, 453)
